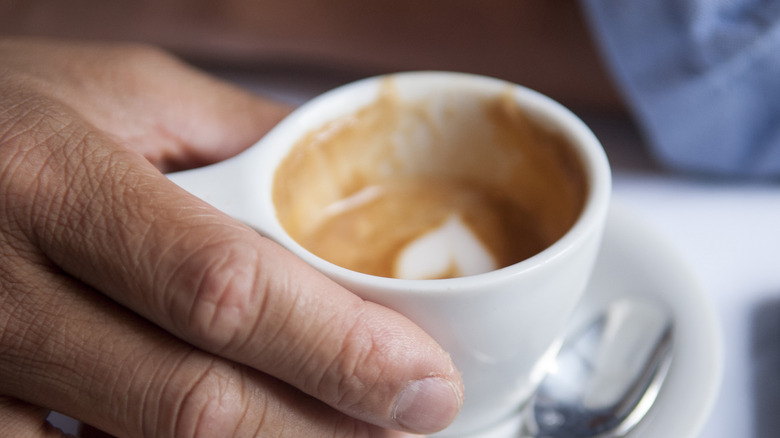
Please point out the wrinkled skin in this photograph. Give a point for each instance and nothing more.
(129, 304)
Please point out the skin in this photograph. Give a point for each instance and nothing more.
(129, 304)
(136, 308)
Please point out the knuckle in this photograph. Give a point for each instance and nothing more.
(212, 405)
(224, 288)
(220, 402)
(353, 381)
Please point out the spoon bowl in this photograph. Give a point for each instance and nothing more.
(606, 376)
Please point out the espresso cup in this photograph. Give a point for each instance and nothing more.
(473, 206)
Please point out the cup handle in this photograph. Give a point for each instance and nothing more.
(227, 186)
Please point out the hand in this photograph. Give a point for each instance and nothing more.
(133, 306)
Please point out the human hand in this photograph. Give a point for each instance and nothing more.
(133, 306)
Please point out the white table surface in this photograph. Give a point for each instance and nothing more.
(727, 231)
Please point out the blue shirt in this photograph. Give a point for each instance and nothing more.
(701, 76)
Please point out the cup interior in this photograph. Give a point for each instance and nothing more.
(488, 173)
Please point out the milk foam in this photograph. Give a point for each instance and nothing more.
(451, 250)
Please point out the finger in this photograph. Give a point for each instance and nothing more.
(153, 104)
(203, 119)
(71, 350)
(107, 217)
(22, 420)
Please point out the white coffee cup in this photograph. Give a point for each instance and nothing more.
(502, 327)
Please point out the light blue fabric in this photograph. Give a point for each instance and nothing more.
(702, 76)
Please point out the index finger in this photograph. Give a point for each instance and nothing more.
(110, 219)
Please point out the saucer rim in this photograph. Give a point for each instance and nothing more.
(693, 383)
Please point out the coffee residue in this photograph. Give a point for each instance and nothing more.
(359, 189)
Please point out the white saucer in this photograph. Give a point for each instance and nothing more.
(634, 261)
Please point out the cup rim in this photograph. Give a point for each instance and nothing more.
(588, 147)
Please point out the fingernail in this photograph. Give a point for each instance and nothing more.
(427, 405)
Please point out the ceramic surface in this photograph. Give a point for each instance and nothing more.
(635, 262)
(484, 321)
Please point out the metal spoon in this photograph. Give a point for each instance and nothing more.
(606, 376)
